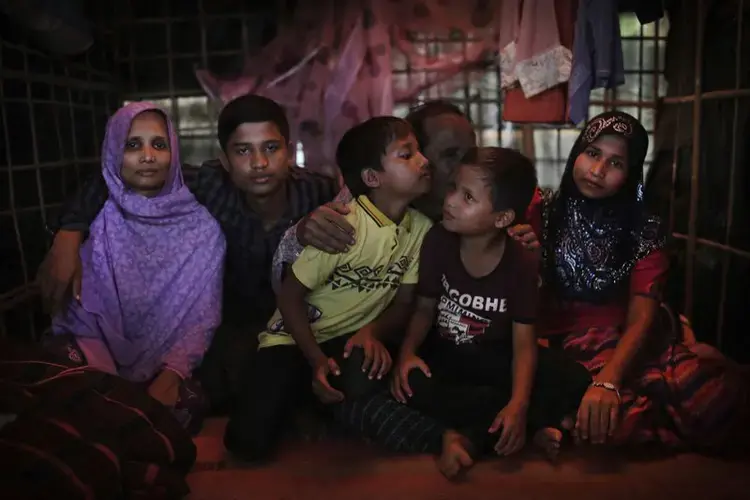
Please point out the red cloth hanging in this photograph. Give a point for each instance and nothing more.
(551, 106)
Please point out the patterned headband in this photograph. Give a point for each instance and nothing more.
(620, 124)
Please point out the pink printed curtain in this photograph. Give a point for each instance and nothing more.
(331, 66)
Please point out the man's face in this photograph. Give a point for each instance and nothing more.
(449, 137)
(257, 158)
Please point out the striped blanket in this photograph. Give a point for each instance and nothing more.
(674, 396)
(75, 433)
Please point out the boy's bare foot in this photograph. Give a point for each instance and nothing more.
(548, 440)
(455, 456)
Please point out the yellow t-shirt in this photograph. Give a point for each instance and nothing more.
(350, 290)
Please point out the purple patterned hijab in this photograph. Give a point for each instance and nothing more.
(152, 269)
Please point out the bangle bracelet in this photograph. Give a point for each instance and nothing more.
(609, 386)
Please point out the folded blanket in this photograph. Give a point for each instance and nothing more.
(80, 433)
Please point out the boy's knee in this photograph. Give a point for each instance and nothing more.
(421, 386)
(559, 373)
(575, 377)
(582, 376)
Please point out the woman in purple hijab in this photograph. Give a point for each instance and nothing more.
(152, 268)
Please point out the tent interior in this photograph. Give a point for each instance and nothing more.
(67, 65)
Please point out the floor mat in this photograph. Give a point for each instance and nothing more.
(337, 469)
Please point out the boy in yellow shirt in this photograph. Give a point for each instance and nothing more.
(334, 309)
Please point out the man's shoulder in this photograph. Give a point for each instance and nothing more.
(302, 175)
(210, 171)
(311, 189)
(208, 166)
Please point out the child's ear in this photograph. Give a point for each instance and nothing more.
(370, 178)
(505, 219)
(224, 160)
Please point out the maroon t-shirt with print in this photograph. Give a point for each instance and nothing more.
(473, 310)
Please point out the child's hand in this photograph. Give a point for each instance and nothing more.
(322, 389)
(512, 420)
(377, 358)
(400, 381)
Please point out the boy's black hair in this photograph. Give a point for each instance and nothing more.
(511, 177)
(250, 108)
(363, 146)
(418, 117)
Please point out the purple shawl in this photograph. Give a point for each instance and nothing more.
(152, 269)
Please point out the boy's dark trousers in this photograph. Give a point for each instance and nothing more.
(471, 384)
(278, 380)
(233, 349)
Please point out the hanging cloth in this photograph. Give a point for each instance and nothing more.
(532, 55)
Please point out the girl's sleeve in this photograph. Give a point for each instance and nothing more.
(649, 275)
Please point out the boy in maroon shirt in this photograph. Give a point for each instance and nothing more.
(475, 369)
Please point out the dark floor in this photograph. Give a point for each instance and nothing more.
(334, 470)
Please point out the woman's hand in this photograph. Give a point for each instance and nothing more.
(327, 229)
(166, 388)
(597, 415)
(524, 234)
